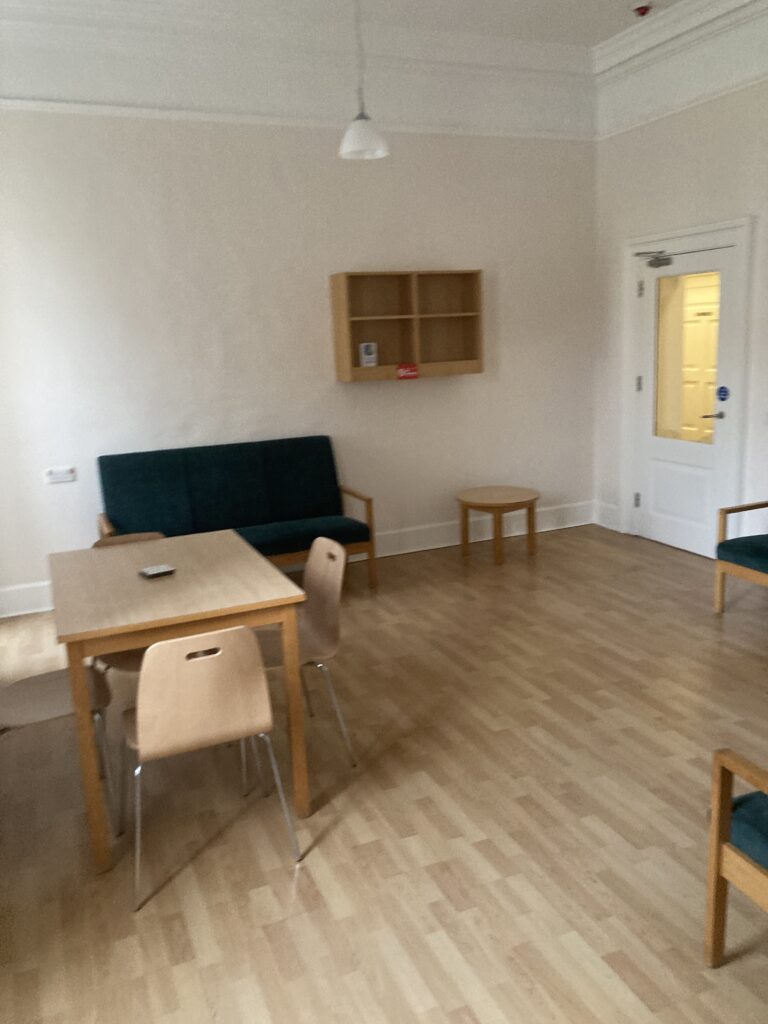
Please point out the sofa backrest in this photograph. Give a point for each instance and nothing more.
(220, 487)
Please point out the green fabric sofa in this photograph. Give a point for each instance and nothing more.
(278, 495)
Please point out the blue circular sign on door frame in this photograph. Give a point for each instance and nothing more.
(723, 393)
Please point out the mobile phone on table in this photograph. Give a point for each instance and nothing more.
(153, 572)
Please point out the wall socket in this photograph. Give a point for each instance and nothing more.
(61, 475)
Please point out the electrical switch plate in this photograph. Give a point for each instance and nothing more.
(61, 475)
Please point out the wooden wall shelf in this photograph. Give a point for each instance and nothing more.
(432, 319)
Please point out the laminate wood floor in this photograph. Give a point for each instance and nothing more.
(523, 841)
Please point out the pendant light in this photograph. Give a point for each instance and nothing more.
(361, 140)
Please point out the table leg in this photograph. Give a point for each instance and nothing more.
(464, 517)
(498, 536)
(531, 516)
(295, 701)
(93, 793)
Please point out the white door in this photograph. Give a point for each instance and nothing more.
(689, 389)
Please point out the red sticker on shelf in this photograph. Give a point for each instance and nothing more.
(407, 371)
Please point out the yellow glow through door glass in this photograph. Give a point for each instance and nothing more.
(687, 323)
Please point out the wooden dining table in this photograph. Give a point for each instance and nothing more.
(102, 604)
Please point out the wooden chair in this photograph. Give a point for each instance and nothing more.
(196, 692)
(45, 697)
(318, 622)
(738, 844)
(744, 557)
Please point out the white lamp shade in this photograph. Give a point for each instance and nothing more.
(362, 142)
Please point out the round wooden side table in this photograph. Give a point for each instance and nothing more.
(497, 501)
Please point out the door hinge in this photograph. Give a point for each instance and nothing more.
(638, 383)
(637, 499)
(640, 289)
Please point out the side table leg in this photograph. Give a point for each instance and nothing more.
(498, 537)
(531, 516)
(464, 517)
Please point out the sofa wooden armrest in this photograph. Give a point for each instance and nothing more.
(106, 529)
(369, 519)
(728, 863)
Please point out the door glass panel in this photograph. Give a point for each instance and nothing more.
(687, 323)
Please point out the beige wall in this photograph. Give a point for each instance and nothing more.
(705, 165)
(165, 283)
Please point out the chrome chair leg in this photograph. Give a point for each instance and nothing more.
(259, 769)
(123, 794)
(337, 708)
(281, 794)
(100, 731)
(310, 709)
(136, 836)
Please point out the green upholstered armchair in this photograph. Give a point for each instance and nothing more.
(738, 844)
(745, 557)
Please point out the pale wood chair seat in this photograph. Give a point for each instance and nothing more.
(124, 661)
(44, 697)
(196, 692)
(318, 624)
(314, 644)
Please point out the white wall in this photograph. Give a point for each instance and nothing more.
(165, 283)
(702, 166)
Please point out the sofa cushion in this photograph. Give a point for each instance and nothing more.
(298, 534)
(146, 491)
(300, 475)
(226, 488)
(751, 552)
(749, 826)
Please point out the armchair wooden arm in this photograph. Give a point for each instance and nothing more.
(722, 521)
(106, 529)
(371, 546)
(726, 862)
(726, 760)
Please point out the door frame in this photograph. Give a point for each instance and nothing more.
(739, 233)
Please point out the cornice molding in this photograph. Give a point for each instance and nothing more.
(213, 63)
(697, 52)
(683, 23)
(213, 60)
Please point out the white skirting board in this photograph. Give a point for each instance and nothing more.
(607, 515)
(445, 535)
(36, 597)
(26, 598)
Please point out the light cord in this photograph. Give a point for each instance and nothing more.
(360, 56)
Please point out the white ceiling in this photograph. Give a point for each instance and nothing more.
(580, 22)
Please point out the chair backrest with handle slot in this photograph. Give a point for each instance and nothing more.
(200, 691)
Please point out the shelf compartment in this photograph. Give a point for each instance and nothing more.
(379, 295)
(395, 339)
(448, 292)
(449, 339)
